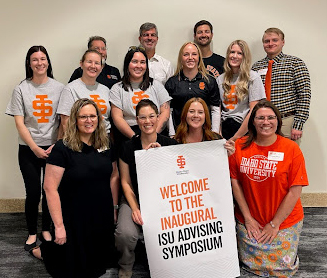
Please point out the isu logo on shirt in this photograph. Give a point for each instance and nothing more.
(100, 103)
(231, 99)
(43, 109)
(258, 167)
(138, 96)
(202, 86)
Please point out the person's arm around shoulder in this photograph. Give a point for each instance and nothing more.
(126, 183)
(52, 178)
(27, 138)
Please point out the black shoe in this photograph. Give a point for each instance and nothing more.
(31, 252)
(28, 247)
(42, 239)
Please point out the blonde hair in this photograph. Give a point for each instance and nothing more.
(201, 67)
(242, 86)
(99, 138)
(182, 129)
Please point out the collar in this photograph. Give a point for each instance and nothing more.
(183, 77)
(278, 58)
(154, 58)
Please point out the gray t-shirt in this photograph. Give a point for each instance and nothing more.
(38, 105)
(234, 108)
(127, 100)
(77, 89)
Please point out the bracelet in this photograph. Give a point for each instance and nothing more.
(272, 224)
(116, 206)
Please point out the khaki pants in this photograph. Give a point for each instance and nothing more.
(126, 236)
(287, 128)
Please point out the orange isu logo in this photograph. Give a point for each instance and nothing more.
(108, 76)
(44, 109)
(138, 96)
(181, 161)
(231, 99)
(202, 85)
(100, 103)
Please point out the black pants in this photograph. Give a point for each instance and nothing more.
(31, 167)
(229, 127)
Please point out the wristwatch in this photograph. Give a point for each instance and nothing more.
(116, 207)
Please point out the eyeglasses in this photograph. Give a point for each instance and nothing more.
(100, 48)
(153, 35)
(144, 118)
(83, 118)
(269, 118)
(136, 48)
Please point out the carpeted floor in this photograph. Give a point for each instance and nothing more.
(15, 262)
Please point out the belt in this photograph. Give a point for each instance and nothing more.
(285, 115)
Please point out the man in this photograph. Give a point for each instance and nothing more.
(287, 83)
(109, 75)
(203, 36)
(160, 68)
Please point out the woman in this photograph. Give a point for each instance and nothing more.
(240, 89)
(136, 85)
(34, 104)
(129, 217)
(268, 172)
(195, 125)
(191, 79)
(81, 184)
(86, 87)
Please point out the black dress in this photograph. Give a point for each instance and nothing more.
(87, 210)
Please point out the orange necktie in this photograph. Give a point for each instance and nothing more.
(268, 80)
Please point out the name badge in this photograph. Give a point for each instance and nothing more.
(277, 156)
(262, 71)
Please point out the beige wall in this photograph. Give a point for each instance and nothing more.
(63, 27)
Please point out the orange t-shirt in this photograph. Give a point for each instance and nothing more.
(266, 174)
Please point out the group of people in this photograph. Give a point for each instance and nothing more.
(86, 131)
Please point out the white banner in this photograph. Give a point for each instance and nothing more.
(187, 208)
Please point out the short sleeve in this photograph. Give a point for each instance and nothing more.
(66, 102)
(298, 173)
(161, 93)
(256, 88)
(115, 95)
(232, 166)
(59, 155)
(15, 106)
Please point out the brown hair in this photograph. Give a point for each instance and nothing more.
(252, 132)
(182, 129)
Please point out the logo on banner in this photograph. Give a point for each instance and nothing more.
(181, 162)
(44, 109)
(258, 167)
